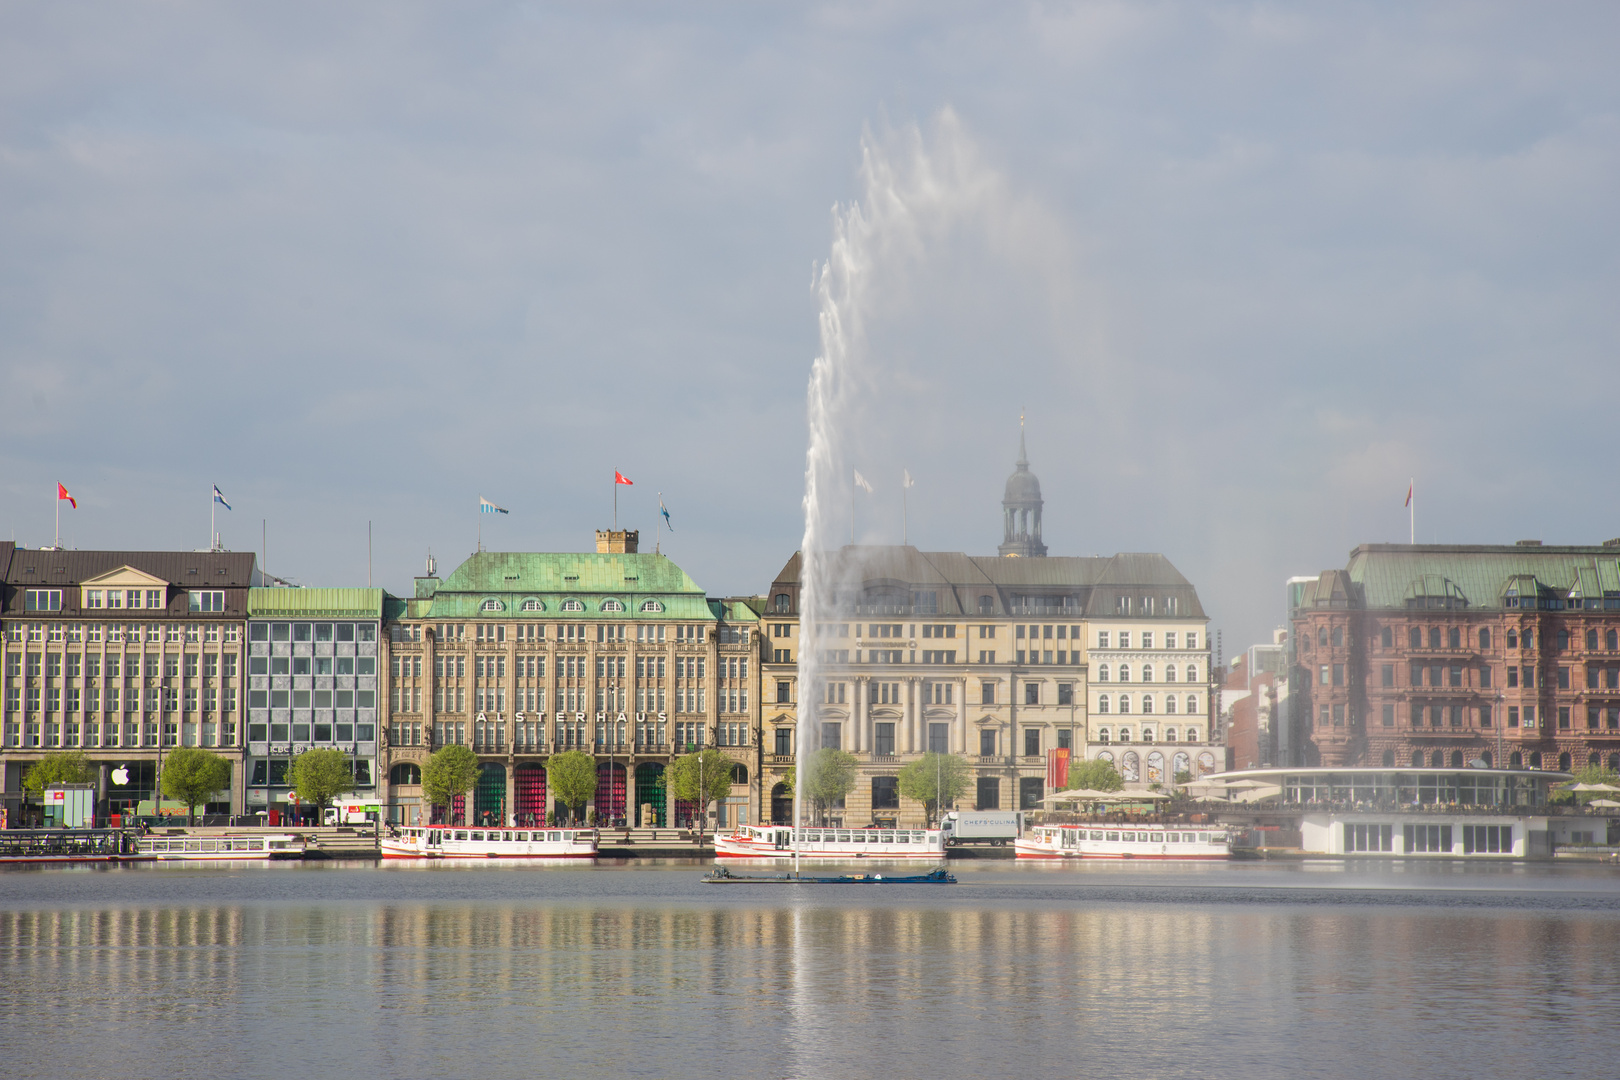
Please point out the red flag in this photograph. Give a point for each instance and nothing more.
(620, 478)
(1057, 769)
(62, 493)
(1408, 494)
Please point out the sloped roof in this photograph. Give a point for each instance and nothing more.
(32, 567)
(1387, 575)
(553, 578)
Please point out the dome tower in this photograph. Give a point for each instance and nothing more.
(1021, 508)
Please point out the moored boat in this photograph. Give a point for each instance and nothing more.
(937, 876)
(244, 847)
(827, 845)
(456, 842)
(65, 845)
(1119, 841)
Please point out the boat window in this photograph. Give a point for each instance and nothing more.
(553, 836)
(1113, 836)
(918, 837)
(886, 837)
(1203, 838)
(477, 836)
(461, 835)
(520, 837)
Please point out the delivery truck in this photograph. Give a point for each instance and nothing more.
(997, 828)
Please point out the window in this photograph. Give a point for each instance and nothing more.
(1032, 693)
(1414, 638)
(883, 739)
(1102, 639)
(1386, 639)
(1065, 693)
(1102, 672)
(1387, 675)
(784, 742)
(1032, 742)
(939, 738)
(208, 600)
(987, 742)
(1102, 704)
(613, 606)
(42, 600)
(885, 793)
(573, 605)
(1338, 637)
(987, 693)
(783, 691)
(832, 736)
(1124, 673)
(1389, 721)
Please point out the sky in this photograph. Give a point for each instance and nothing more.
(1247, 270)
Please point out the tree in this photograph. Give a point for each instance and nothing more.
(191, 774)
(935, 780)
(66, 767)
(829, 775)
(702, 777)
(571, 776)
(449, 771)
(1593, 773)
(1094, 775)
(319, 776)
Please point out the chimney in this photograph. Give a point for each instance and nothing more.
(617, 541)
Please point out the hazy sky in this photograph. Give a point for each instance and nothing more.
(1249, 267)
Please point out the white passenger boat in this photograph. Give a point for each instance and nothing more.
(244, 848)
(1116, 841)
(451, 842)
(824, 845)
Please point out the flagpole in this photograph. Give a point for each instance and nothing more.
(903, 515)
(480, 522)
(615, 500)
(58, 542)
(1411, 506)
(211, 526)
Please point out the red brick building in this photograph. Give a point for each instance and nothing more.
(1443, 655)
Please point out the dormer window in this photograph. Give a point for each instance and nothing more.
(651, 607)
(612, 606)
(492, 604)
(573, 605)
(532, 604)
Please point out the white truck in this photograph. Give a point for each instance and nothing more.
(994, 827)
(352, 811)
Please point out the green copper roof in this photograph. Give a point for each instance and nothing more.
(1397, 575)
(496, 584)
(315, 603)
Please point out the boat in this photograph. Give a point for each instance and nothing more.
(65, 845)
(937, 876)
(234, 847)
(823, 845)
(452, 842)
(1121, 841)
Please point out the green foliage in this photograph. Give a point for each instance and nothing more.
(703, 777)
(449, 771)
(935, 780)
(829, 775)
(191, 774)
(66, 767)
(1183, 777)
(571, 777)
(1593, 773)
(1094, 775)
(319, 776)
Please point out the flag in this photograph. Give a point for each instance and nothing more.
(662, 509)
(220, 498)
(909, 481)
(487, 507)
(860, 482)
(62, 493)
(620, 478)
(1057, 769)
(1408, 494)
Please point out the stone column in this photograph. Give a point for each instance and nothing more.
(959, 729)
(858, 713)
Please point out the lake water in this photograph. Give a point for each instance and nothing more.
(1242, 970)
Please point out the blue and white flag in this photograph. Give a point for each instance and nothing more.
(220, 498)
(662, 509)
(487, 507)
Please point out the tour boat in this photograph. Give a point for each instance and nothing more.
(777, 842)
(65, 845)
(1116, 841)
(452, 842)
(231, 848)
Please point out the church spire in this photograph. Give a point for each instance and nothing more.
(1021, 507)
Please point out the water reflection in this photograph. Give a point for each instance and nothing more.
(626, 986)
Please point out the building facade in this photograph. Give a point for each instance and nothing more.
(1448, 655)
(313, 683)
(122, 656)
(989, 658)
(615, 653)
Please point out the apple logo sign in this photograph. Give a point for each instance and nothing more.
(120, 776)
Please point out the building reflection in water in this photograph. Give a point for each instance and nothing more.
(804, 989)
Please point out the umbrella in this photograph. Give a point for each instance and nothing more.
(1590, 787)
(1607, 804)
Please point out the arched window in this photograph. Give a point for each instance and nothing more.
(1434, 637)
(1124, 703)
(1535, 759)
(783, 602)
(1147, 704)
(1192, 673)
(1484, 637)
(1529, 641)
(1124, 734)
(1614, 763)
(1169, 673)
(1147, 672)
(1170, 732)
(1454, 637)
(1102, 704)
(739, 775)
(1321, 636)
(651, 606)
(1486, 758)
(531, 604)
(1515, 760)
(1414, 638)
(1591, 640)
(1609, 640)
(1563, 638)
(573, 605)
(1389, 759)
(1169, 703)
(1102, 672)
(405, 773)
(1417, 759)
(491, 604)
(1192, 704)
(1564, 762)
(1190, 734)
(1102, 735)
(613, 605)
(1456, 759)
(1513, 639)
(1438, 760)
(1104, 755)
(1124, 673)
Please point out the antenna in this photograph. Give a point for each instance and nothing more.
(432, 564)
